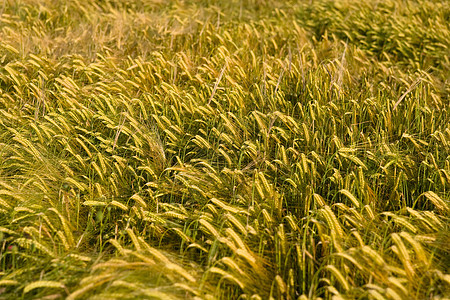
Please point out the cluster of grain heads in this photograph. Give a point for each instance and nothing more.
(247, 149)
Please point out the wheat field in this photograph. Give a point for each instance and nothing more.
(241, 149)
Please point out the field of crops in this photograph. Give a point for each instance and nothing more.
(241, 149)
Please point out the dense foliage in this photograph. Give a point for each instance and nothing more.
(238, 149)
